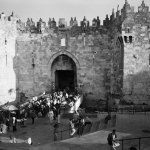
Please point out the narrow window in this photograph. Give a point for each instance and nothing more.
(125, 39)
(130, 39)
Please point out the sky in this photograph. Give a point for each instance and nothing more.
(46, 9)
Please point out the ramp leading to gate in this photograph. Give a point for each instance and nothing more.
(76, 105)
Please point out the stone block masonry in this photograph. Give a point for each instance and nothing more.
(108, 62)
(90, 69)
(8, 34)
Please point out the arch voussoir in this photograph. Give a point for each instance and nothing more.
(53, 57)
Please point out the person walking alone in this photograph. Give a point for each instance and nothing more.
(71, 124)
(112, 140)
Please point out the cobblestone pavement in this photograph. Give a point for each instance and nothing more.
(128, 125)
(41, 133)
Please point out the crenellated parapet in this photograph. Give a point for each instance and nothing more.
(128, 22)
(143, 8)
(62, 23)
(122, 21)
(107, 22)
(62, 26)
(143, 15)
(127, 11)
(8, 29)
(73, 23)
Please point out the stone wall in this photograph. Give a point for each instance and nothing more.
(136, 66)
(8, 33)
(137, 57)
(91, 66)
(129, 35)
(112, 59)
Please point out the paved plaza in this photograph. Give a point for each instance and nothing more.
(128, 125)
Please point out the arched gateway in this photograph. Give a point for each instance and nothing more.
(64, 68)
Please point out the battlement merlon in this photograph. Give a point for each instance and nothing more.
(143, 8)
(8, 26)
(116, 18)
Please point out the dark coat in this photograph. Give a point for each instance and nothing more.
(32, 115)
(110, 138)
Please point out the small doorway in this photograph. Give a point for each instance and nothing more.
(64, 79)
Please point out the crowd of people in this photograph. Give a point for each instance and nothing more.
(50, 105)
(47, 104)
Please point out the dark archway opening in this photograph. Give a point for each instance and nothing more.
(65, 79)
(64, 73)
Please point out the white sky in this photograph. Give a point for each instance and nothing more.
(46, 9)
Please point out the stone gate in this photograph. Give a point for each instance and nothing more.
(106, 61)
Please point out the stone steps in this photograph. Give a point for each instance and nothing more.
(65, 135)
(99, 125)
(114, 121)
(109, 124)
(102, 125)
(70, 115)
(87, 128)
(95, 127)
